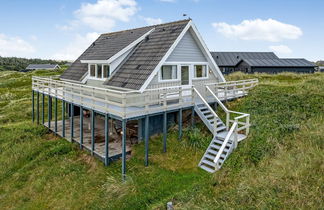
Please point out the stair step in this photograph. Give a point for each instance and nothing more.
(207, 111)
(209, 116)
(214, 153)
(218, 123)
(220, 141)
(206, 168)
(211, 157)
(209, 163)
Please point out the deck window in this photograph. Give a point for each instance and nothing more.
(92, 70)
(169, 72)
(200, 71)
(99, 71)
(106, 71)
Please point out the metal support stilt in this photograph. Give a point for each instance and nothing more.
(124, 149)
(92, 132)
(193, 117)
(72, 120)
(180, 124)
(81, 127)
(63, 118)
(106, 139)
(49, 110)
(165, 131)
(146, 140)
(37, 108)
(43, 107)
(55, 117)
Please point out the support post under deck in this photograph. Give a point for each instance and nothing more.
(165, 131)
(92, 132)
(72, 120)
(33, 106)
(106, 139)
(81, 127)
(63, 118)
(146, 140)
(43, 108)
(193, 117)
(49, 110)
(37, 108)
(55, 117)
(124, 149)
(180, 124)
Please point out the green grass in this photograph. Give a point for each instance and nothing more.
(280, 165)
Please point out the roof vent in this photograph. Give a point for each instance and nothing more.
(147, 38)
(93, 44)
(216, 56)
(237, 57)
(138, 66)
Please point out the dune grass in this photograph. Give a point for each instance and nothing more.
(280, 165)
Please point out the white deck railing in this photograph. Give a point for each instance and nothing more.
(132, 103)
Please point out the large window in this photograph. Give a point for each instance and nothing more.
(200, 71)
(99, 71)
(169, 72)
(92, 70)
(106, 71)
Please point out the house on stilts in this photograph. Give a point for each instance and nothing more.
(144, 77)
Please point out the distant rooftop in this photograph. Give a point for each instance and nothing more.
(232, 58)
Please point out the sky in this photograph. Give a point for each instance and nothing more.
(63, 29)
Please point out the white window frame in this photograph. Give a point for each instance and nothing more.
(191, 71)
(200, 78)
(168, 80)
(96, 71)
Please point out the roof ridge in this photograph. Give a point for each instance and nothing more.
(151, 26)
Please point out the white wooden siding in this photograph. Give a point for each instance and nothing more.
(187, 50)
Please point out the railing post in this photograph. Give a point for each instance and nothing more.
(235, 135)
(248, 125)
(124, 104)
(63, 118)
(215, 126)
(227, 120)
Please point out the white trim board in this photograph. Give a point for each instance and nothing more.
(200, 43)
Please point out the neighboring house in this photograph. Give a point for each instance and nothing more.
(262, 62)
(42, 66)
(321, 68)
(146, 76)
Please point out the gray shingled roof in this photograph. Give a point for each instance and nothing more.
(41, 66)
(282, 62)
(232, 58)
(145, 57)
(103, 48)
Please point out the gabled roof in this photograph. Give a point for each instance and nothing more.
(282, 62)
(232, 58)
(103, 48)
(140, 64)
(42, 66)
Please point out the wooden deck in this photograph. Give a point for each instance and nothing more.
(115, 146)
(134, 104)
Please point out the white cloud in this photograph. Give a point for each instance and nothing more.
(103, 14)
(280, 49)
(153, 21)
(14, 46)
(267, 30)
(76, 47)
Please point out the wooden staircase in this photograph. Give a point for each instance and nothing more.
(225, 138)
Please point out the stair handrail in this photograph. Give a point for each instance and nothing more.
(227, 111)
(232, 131)
(210, 109)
